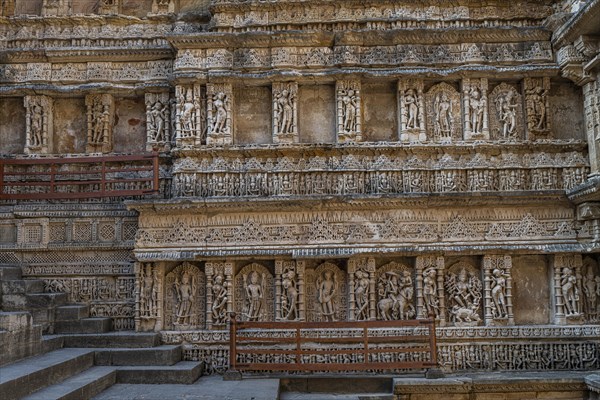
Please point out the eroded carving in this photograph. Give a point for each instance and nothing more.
(285, 112)
(506, 113)
(475, 106)
(349, 117)
(219, 113)
(100, 122)
(190, 117)
(158, 121)
(537, 106)
(289, 290)
(39, 124)
(412, 110)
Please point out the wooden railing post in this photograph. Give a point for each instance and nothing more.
(2, 164)
(232, 374)
(434, 372)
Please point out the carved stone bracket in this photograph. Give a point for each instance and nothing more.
(497, 287)
(219, 293)
(361, 289)
(567, 288)
(475, 109)
(219, 113)
(289, 290)
(285, 112)
(39, 124)
(537, 107)
(148, 297)
(412, 110)
(100, 122)
(349, 114)
(190, 117)
(158, 121)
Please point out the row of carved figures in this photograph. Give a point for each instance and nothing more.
(460, 294)
(201, 115)
(65, 7)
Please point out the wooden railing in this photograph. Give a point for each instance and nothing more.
(311, 346)
(78, 177)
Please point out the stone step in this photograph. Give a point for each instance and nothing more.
(30, 375)
(85, 325)
(339, 385)
(72, 312)
(43, 300)
(184, 372)
(113, 339)
(83, 386)
(22, 286)
(51, 343)
(10, 272)
(161, 355)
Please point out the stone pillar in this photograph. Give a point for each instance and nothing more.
(100, 122)
(219, 294)
(158, 121)
(190, 115)
(411, 106)
(39, 124)
(219, 115)
(349, 113)
(537, 107)
(148, 297)
(285, 112)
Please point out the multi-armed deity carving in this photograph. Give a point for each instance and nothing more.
(190, 117)
(184, 300)
(430, 287)
(148, 297)
(254, 293)
(498, 290)
(591, 289)
(506, 113)
(289, 290)
(412, 110)
(158, 121)
(443, 113)
(219, 113)
(57, 7)
(361, 273)
(475, 107)
(395, 292)
(567, 288)
(464, 292)
(219, 293)
(100, 122)
(39, 111)
(285, 112)
(349, 118)
(537, 106)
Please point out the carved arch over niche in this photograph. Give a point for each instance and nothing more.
(254, 296)
(185, 294)
(464, 294)
(339, 298)
(395, 292)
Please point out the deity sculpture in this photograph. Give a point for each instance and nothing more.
(499, 308)
(350, 107)
(284, 112)
(464, 291)
(411, 100)
(219, 302)
(159, 116)
(187, 114)
(38, 124)
(396, 296)
(220, 112)
(570, 292)
(591, 291)
(506, 108)
(255, 293)
(289, 299)
(147, 290)
(443, 113)
(477, 105)
(100, 116)
(361, 295)
(326, 290)
(539, 107)
(536, 96)
(348, 111)
(430, 292)
(185, 290)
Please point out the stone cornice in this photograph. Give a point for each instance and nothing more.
(583, 22)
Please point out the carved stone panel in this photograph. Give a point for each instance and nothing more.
(163, 6)
(285, 112)
(158, 121)
(475, 109)
(430, 288)
(254, 297)
(443, 113)
(590, 285)
(567, 288)
(190, 117)
(349, 113)
(185, 291)
(219, 113)
(498, 290)
(361, 291)
(7, 8)
(219, 294)
(412, 110)
(326, 293)
(57, 7)
(537, 107)
(39, 124)
(289, 290)
(395, 292)
(464, 291)
(506, 113)
(109, 7)
(149, 295)
(100, 122)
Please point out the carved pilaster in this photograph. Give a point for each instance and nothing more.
(411, 102)
(289, 290)
(537, 107)
(100, 122)
(57, 7)
(163, 6)
(190, 116)
(349, 113)
(219, 293)
(219, 113)
(497, 288)
(567, 288)
(109, 7)
(39, 124)
(285, 112)
(148, 297)
(158, 122)
(591, 104)
(475, 109)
